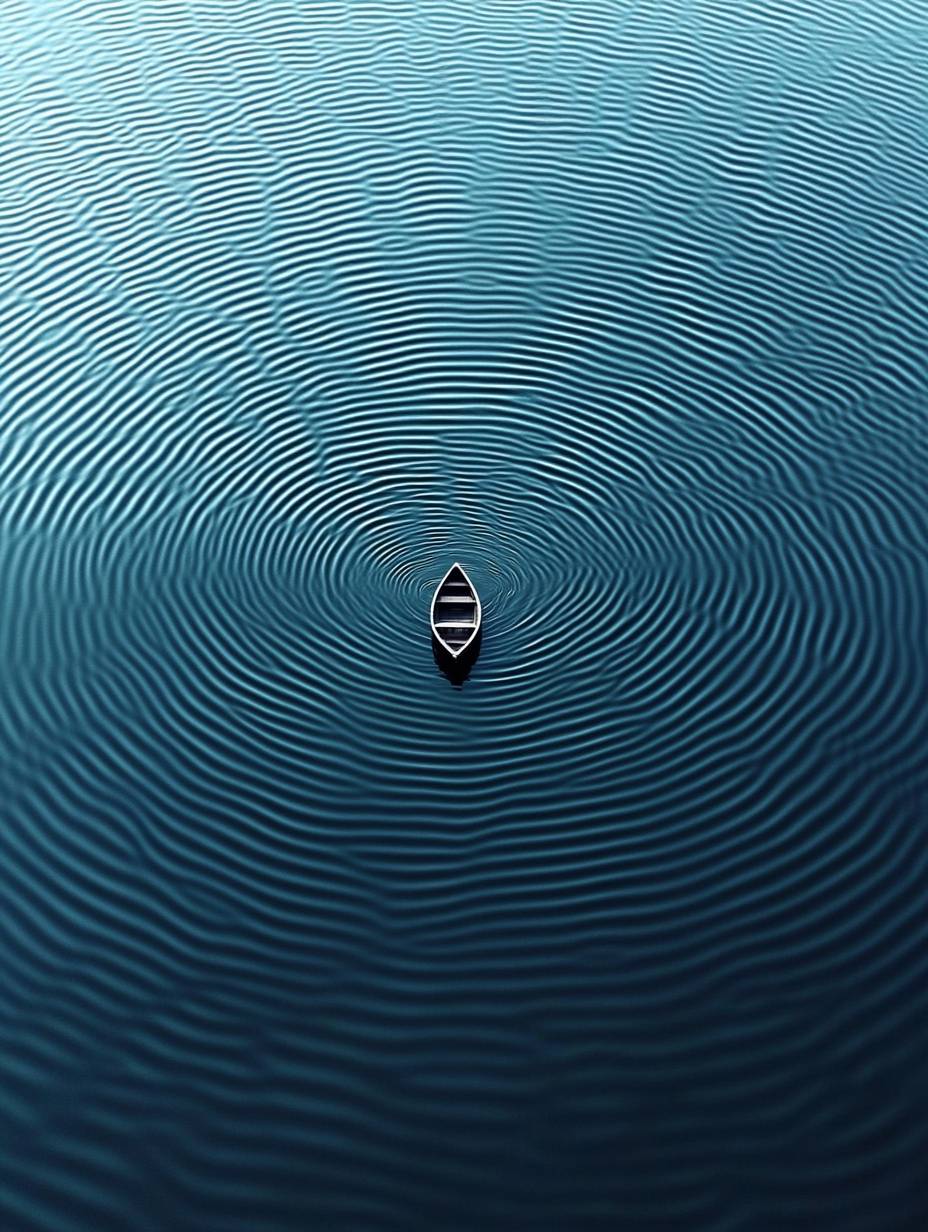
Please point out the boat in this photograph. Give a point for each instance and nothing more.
(455, 617)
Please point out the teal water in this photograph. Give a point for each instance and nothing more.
(623, 305)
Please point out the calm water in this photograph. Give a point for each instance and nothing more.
(625, 306)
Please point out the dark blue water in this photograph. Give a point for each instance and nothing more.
(625, 306)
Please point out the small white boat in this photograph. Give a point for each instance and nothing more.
(456, 615)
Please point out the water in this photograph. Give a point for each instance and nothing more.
(625, 306)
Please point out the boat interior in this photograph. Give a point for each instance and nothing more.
(455, 614)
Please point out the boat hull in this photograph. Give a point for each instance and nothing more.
(456, 621)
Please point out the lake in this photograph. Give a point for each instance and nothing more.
(623, 306)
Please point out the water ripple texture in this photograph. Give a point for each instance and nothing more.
(625, 307)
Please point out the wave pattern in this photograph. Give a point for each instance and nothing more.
(625, 307)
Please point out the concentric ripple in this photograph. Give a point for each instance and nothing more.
(625, 308)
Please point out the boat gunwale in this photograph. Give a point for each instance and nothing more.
(456, 652)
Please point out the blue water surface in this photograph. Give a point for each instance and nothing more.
(625, 307)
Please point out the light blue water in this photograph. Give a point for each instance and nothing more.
(625, 306)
